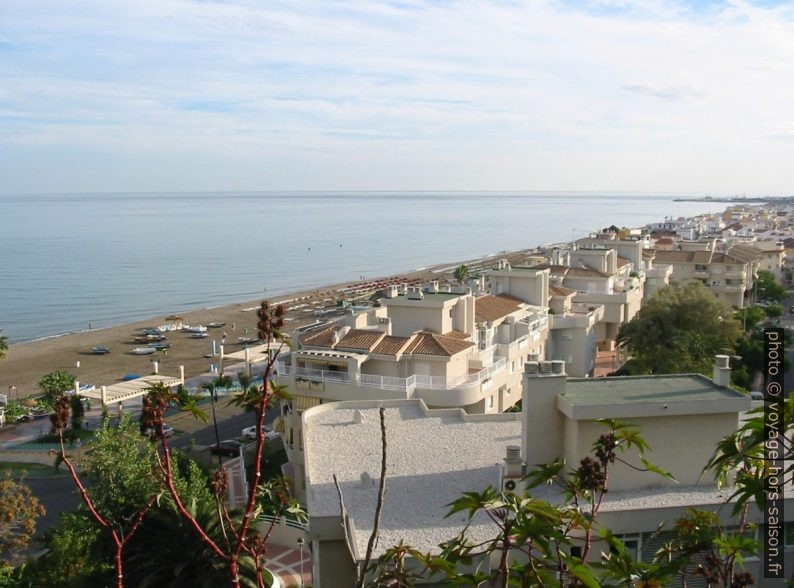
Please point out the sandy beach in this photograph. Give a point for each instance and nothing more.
(26, 363)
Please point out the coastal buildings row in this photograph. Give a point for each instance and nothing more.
(452, 361)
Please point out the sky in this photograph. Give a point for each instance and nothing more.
(690, 97)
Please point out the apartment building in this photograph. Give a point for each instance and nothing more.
(449, 349)
(725, 274)
(434, 456)
(656, 276)
(573, 326)
(616, 290)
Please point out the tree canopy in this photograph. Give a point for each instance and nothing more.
(461, 273)
(679, 330)
(768, 289)
(3, 344)
(19, 511)
(56, 383)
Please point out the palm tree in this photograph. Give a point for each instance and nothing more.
(219, 382)
(3, 345)
(169, 552)
(461, 273)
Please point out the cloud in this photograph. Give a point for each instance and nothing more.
(552, 94)
(666, 93)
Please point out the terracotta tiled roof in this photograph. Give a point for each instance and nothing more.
(360, 339)
(674, 256)
(456, 335)
(425, 343)
(648, 253)
(585, 272)
(391, 345)
(491, 308)
(554, 269)
(664, 241)
(744, 252)
(622, 261)
(703, 257)
(321, 338)
(560, 291)
(574, 272)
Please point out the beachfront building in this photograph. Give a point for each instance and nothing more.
(573, 326)
(656, 276)
(448, 348)
(727, 275)
(601, 278)
(434, 456)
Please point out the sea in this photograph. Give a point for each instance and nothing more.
(70, 260)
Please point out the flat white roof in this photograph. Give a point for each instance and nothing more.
(433, 457)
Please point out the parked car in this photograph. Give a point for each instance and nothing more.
(250, 432)
(168, 430)
(757, 395)
(230, 448)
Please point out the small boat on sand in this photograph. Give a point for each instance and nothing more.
(160, 346)
(247, 340)
(195, 329)
(215, 325)
(100, 350)
(143, 351)
(199, 336)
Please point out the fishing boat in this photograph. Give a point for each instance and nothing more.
(202, 335)
(143, 351)
(160, 346)
(196, 329)
(246, 340)
(100, 350)
(215, 325)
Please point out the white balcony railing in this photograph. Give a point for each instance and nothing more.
(407, 385)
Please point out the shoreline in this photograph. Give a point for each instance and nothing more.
(26, 362)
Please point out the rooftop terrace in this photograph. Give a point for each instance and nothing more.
(641, 396)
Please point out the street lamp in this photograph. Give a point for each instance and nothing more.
(300, 545)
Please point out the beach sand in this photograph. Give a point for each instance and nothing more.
(26, 363)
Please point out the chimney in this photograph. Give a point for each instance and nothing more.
(391, 292)
(512, 469)
(722, 370)
(542, 423)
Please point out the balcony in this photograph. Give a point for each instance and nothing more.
(435, 390)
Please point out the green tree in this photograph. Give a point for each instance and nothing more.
(461, 273)
(767, 288)
(679, 330)
(169, 552)
(3, 344)
(78, 412)
(774, 311)
(56, 383)
(76, 553)
(19, 511)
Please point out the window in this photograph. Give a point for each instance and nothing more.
(450, 312)
(632, 544)
(512, 367)
(490, 401)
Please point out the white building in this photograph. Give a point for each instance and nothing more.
(434, 456)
